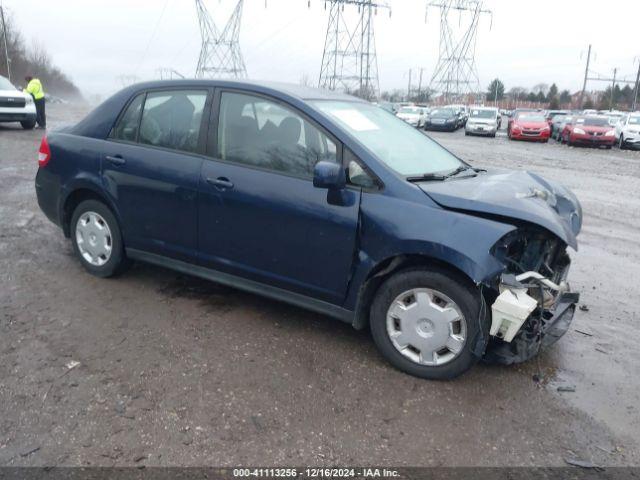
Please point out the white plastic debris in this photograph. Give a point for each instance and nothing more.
(510, 310)
(72, 364)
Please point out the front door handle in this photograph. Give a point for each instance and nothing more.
(221, 183)
(115, 159)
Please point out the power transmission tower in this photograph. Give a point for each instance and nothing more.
(455, 75)
(349, 61)
(220, 54)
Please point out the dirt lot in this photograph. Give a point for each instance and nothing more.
(178, 371)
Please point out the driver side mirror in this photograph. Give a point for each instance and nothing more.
(329, 175)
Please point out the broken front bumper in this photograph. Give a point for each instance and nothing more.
(537, 333)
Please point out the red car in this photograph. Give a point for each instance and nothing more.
(530, 126)
(594, 131)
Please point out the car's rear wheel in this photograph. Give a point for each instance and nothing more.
(428, 323)
(28, 124)
(97, 240)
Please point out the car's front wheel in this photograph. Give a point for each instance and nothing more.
(28, 124)
(429, 323)
(97, 240)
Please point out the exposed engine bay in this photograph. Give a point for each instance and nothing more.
(531, 302)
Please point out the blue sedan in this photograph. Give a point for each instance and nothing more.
(324, 201)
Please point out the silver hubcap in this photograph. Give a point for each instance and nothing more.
(426, 326)
(93, 238)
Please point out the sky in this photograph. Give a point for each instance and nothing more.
(524, 43)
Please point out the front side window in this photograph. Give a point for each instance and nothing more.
(127, 127)
(394, 142)
(172, 119)
(263, 133)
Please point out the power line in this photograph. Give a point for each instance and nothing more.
(153, 34)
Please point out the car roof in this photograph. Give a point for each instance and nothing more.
(300, 92)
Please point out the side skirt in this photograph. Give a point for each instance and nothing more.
(244, 284)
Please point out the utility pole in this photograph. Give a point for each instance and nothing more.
(586, 74)
(420, 84)
(613, 88)
(6, 47)
(635, 95)
(409, 87)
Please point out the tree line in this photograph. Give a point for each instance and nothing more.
(34, 61)
(553, 98)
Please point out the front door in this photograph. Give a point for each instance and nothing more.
(151, 167)
(259, 214)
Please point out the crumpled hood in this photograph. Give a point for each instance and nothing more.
(514, 194)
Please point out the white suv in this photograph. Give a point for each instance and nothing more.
(16, 106)
(628, 130)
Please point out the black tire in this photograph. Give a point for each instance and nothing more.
(464, 295)
(466, 134)
(28, 124)
(117, 262)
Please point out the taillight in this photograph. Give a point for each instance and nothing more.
(44, 154)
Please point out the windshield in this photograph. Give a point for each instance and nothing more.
(530, 117)
(413, 110)
(593, 121)
(442, 112)
(634, 121)
(6, 84)
(483, 114)
(394, 142)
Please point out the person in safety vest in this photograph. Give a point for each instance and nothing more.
(34, 88)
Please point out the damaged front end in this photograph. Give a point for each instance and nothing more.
(531, 302)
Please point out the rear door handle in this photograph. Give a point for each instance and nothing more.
(115, 160)
(221, 183)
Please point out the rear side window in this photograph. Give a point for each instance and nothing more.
(127, 127)
(259, 132)
(172, 119)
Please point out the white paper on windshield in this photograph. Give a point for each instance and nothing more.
(355, 120)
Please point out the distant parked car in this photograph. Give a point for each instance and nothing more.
(414, 116)
(483, 121)
(551, 114)
(462, 112)
(614, 117)
(589, 130)
(16, 106)
(557, 125)
(446, 119)
(515, 113)
(627, 131)
(322, 200)
(530, 126)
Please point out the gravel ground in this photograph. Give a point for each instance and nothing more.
(173, 370)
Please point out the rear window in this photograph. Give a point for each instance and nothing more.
(172, 119)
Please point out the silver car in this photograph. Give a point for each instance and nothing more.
(482, 121)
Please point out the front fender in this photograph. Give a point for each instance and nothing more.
(392, 227)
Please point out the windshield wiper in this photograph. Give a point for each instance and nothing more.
(437, 176)
(425, 177)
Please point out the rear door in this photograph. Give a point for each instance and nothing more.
(151, 166)
(260, 216)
